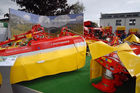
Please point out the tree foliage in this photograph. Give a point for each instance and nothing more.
(77, 8)
(49, 7)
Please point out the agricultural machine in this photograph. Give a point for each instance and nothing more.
(90, 24)
(92, 31)
(97, 33)
(134, 43)
(37, 33)
(116, 70)
(134, 31)
(101, 34)
(36, 50)
(114, 75)
(136, 48)
(120, 32)
(36, 54)
(108, 30)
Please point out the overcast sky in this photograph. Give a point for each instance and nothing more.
(93, 8)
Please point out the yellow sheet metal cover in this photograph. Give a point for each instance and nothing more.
(121, 28)
(130, 60)
(132, 38)
(107, 27)
(133, 29)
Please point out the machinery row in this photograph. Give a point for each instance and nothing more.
(111, 64)
(103, 32)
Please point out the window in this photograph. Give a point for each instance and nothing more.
(135, 15)
(122, 15)
(118, 22)
(129, 15)
(132, 21)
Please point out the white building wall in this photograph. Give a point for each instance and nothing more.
(137, 25)
(124, 22)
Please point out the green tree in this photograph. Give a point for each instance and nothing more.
(77, 8)
(49, 7)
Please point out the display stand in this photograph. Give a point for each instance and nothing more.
(6, 87)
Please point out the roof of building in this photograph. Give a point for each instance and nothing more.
(120, 15)
(4, 20)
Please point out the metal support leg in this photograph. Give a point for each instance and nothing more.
(5, 73)
(6, 86)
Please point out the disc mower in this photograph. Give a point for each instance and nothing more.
(116, 65)
(114, 75)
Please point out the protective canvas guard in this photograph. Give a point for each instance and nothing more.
(132, 38)
(130, 60)
(32, 65)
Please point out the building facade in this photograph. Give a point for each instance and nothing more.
(129, 20)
